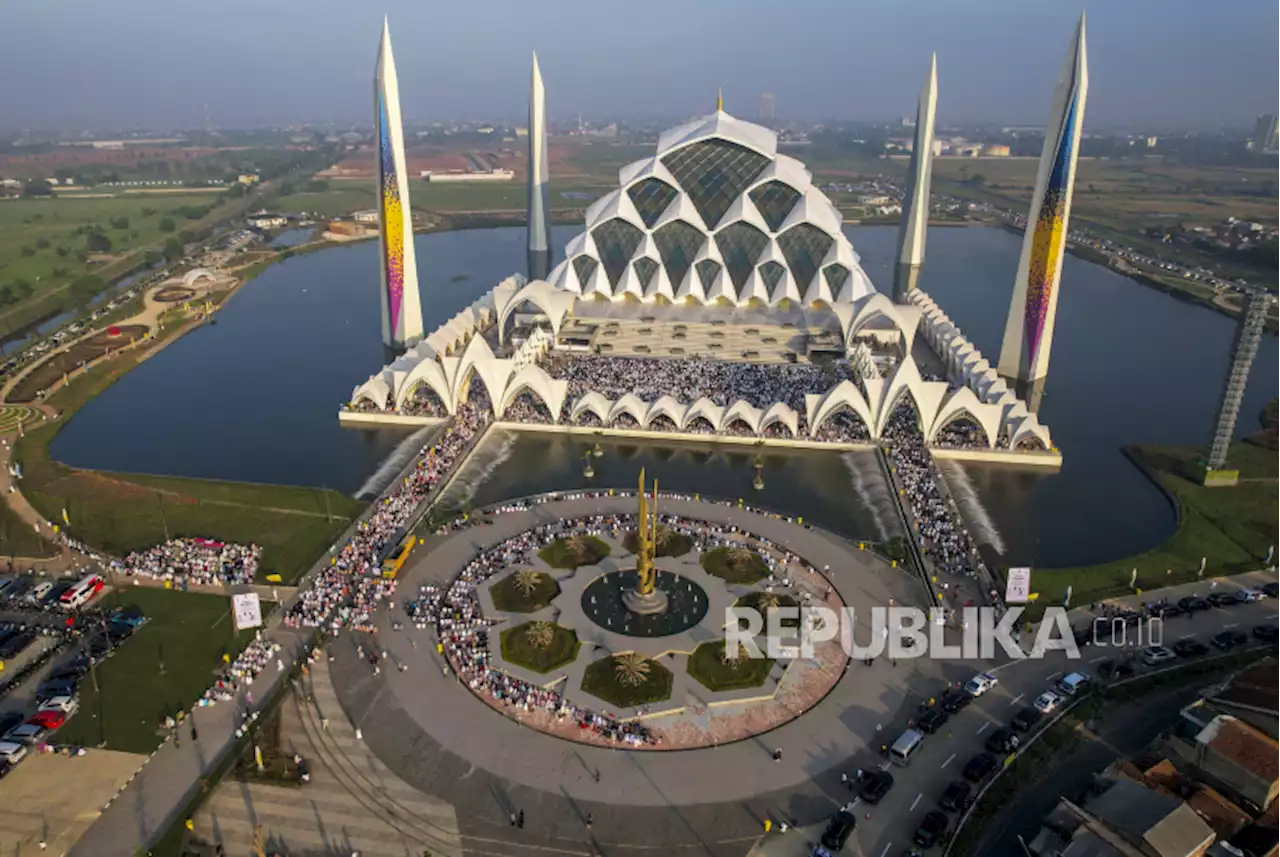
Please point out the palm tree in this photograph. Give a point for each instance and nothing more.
(527, 580)
(767, 601)
(740, 558)
(631, 669)
(731, 657)
(540, 634)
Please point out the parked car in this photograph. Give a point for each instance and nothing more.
(1155, 655)
(955, 797)
(875, 786)
(1271, 590)
(12, 752)
(1229, 640)
(1003, 741)
(1192, 603)
(54, 689)
(1025, 720)
(70, 671)
(15, 645)
(980, 684)
(39, 592)
(955, 700)
(1165, 610)
(1223, 599)
(48, 719)
(130, 614)
(932, 720)
(1267, 633)
(1248, 596)
(54, 595)
(65, 705)
(26, 733)
(1189, 648)
(10, 720)
(977, 768)
(931, 829)
(1047, 702)
(1075, 683)
(838, 831)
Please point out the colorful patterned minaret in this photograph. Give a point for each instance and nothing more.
(401, 303)
(1028, 334)
(539, 219)
(915, 199)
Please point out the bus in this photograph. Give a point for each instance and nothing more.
(391, 565)
(81, 593)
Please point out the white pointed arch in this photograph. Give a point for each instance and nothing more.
(964, 402)
(841, 396)
(628, 404)
(376, 391)
(478, 359)
(552, 302)
(745, 411)
(665, 406)
(706, 409)
(535, 380)
(427, 372)
(591, 402)
(782, 413)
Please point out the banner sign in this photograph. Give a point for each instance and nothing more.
(246, 610)
(1018, 588)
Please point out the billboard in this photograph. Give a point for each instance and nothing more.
(246, 610)
(1018, 587)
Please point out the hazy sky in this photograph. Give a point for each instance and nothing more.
(88, 63)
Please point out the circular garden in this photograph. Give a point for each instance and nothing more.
(539, 646)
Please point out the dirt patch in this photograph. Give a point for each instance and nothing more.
(174, 294)
(49, 372)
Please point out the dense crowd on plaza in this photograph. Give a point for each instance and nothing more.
(456, 616)
(194, 561)
(240, 672)
(940, 532)
(345, 594)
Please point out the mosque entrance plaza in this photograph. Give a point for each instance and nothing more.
(693, 771)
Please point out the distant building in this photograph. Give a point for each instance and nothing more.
(1152, 140)
(1264, 134)
(490, 176)
(768, 107)
(267, 221)
(248, 178)
(367, 216)
(995, 150)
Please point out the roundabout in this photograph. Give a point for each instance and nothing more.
(692, 773)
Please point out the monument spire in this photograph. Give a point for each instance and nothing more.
(401, 302)
(539, 219)
(1028, 334)
(915, 197)
(720, 100)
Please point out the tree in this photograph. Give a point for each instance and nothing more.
(540, 635)
(286, 188)
(317, 186)
(97, 242)
(166, 224)
(631, 669)
(37, 187)
(6, 295)
(236, 191)
(186, 236)
(148, 211)
(28, 250)
(152, 258)
(120, 222)
(42, 243)
(24, 287)
(173, 250)
(61, 251)
(84, 289)
(527, 581)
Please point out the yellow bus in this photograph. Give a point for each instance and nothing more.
(391, 565)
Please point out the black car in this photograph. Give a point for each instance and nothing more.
(838, 831)
(979, 767)
(1229, 639)
(875, 786)
(933, 828)
(1223, 599)
(49, 689)
(1192, 603)
(10, 720)
(932, 720)
(11, 647)
(18, 588)
(1003, 741)
(1025, 720)
(71, 671)
(1165, 611)
(955, 700)
(955, 797)
(1267, 633)
(53, 596)
(1189, 648)
(1272, 590)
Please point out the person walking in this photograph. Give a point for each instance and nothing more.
(777, 755)
(520, 820)
(590, 820)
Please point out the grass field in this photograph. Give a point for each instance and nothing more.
(344, 196)
(1231, 527)
(125, 512)
(19, 539)
(160, 670)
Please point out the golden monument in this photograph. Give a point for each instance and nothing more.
(646, 598)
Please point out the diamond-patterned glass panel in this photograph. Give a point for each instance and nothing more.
(645, 269)
(714, 173)
(804, 246)
(678, 243)
(584, 266)
(740, 246)
(774, 200)
(707, 270)
(651, 198)
(616, 241)
(836, 276)
(771, 272)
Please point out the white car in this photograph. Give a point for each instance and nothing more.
(11, 753)
(1047, 702)
(1153, 655)
(980, 684)
(39, 591)
(65, 704)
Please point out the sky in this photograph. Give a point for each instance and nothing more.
(1158, 64)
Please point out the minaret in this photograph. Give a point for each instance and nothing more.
(1028, 334)
(401, 303)
(915, 197)
(539, 219)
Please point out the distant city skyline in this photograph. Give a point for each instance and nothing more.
(76, 64)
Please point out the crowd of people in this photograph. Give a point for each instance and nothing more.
(345, 594)
(194, 561)
(240, 672)
(454, 612)
(940, 530)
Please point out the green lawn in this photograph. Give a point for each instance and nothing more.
(574, 551)
(669, 542)
(1231, 527)
(119, 513)
(601, 681)
(510, 598)
(341, 197)
(19, 539)
(735, 565)
(517, 648)
(707, 665)
(161, 669)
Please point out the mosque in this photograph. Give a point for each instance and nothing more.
(714, 294)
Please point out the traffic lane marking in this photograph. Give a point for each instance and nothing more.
(949, 760)
(915, 802)
(983, 728)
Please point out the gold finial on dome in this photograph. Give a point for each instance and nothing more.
(720, 100)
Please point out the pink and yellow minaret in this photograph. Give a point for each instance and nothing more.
(401, 303)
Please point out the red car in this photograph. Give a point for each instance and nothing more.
(48, 719)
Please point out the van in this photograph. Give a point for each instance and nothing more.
(1074, 684)
(905, 747)
(11, 753)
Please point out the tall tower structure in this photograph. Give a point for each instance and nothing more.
(915, 198)
(401, 303)
(539, 216)
(768, 108)
(1248, 335)
(1028, 334)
